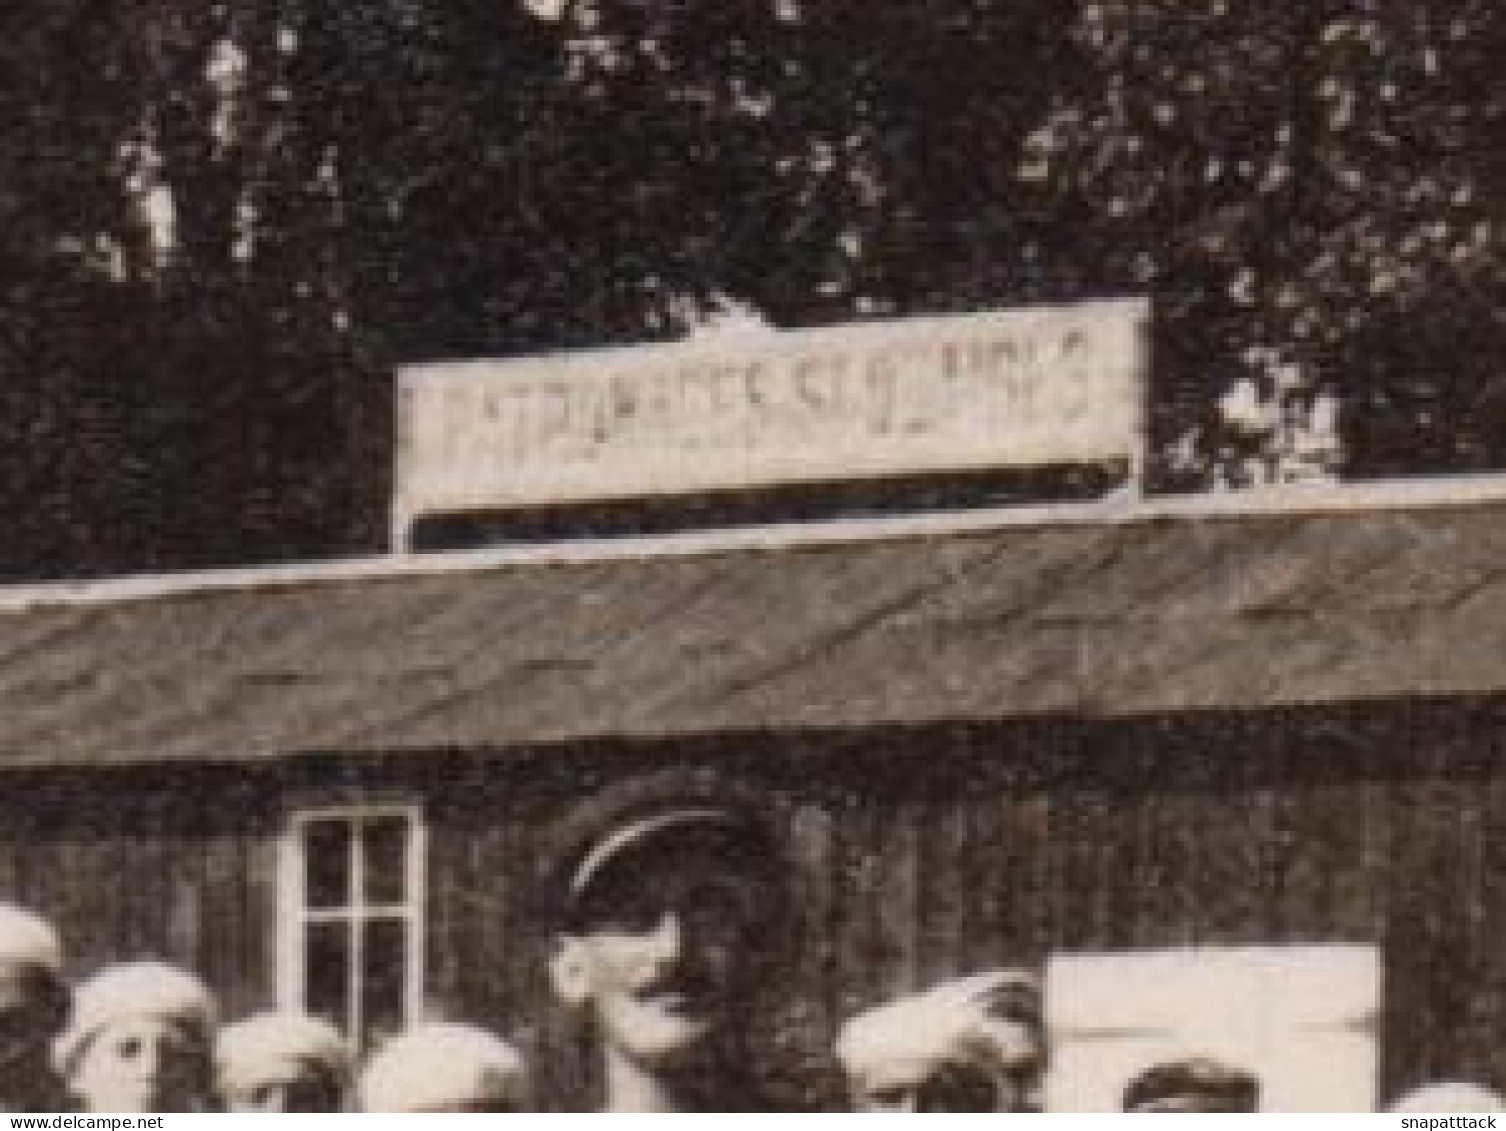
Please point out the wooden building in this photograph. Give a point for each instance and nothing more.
(988, 739)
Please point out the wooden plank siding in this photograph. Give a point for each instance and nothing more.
(127, 872)
(919, 852)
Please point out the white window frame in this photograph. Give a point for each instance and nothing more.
(294, 913)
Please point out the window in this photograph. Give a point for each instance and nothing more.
(351, 897)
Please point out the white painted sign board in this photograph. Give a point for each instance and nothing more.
(1302, 1018)
(1032, 387)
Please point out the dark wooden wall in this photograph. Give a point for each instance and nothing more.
(183, 871)
(920, 853)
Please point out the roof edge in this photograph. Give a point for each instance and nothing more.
(1421, 493)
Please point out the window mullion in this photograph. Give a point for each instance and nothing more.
(415, 892)
(356, 903)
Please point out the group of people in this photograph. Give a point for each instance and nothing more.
(144, 1037)
(665, 901)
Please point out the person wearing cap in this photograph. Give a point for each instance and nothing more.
(34, 1002)
(1449, 1097)
(969, 1044)
(1196, 1084)
(281, 1062)
(665, 895)
(444, 1067)
(141, 1039)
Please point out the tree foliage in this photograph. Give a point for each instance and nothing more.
(1309, 192)
(224, 223)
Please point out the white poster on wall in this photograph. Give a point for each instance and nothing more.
(1301, 1018)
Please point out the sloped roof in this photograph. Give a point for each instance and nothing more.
(1154, 611)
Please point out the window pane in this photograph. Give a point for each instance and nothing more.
(386, 842)
(326, 971)
(326, 854)
(384, 967)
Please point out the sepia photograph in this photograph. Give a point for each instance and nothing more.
(752, 556)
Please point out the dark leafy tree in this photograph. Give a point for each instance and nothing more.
(1308, 194)
(221, 225)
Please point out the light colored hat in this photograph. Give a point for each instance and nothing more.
(973, 1021)
(28, 941)
(1452, 1096)
(265, 1046)
(441, 1064)
(135, 989)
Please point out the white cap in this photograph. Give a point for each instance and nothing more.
(266, 1046)
(974, 1021)
(1447, 1097)
(28, 941)
(440, 1065)
(135, 989)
